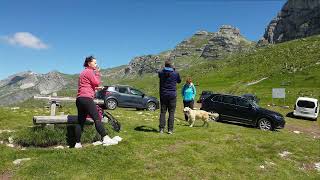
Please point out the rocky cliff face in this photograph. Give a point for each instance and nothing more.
(22, 86)
(297, 19)
(226, 41)
(143, 64)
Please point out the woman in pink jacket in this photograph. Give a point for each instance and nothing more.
(89, 81)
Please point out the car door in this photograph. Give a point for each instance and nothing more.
(137, 98)
(214, 104)
(124, 96)
(229, 108)
(245, 111)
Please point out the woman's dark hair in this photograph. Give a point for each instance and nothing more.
(87, 60)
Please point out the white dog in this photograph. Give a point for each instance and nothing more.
(204, 115)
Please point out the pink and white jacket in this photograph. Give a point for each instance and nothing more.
(89, 79)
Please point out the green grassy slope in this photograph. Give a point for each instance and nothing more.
(223, 151)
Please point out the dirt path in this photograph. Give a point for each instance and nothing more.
(6, 175)
(313, 131)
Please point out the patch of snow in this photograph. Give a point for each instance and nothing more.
(6, 130)
(59, 147)
(10, 145)
(15, 108)
(10, 139)
(256, 82)
(270, 163)
(18, 161)
(297, 132)
(285, 153)
(317, 166)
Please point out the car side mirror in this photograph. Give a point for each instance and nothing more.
(143, 95)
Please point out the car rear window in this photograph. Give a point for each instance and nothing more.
(306, 104)
(110, 88)
(123, 90)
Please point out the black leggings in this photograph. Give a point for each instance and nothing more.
(86, 106)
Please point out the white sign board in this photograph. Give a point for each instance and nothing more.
(278, 93)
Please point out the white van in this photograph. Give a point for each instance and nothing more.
(306, 107)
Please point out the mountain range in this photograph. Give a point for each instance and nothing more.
(297, 19)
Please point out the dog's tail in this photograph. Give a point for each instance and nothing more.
(213, 116)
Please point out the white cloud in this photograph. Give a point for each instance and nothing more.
(25, 39)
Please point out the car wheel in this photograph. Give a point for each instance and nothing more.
(265, 124)
(151, 106)
(111, 104)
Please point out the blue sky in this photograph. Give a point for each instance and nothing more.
(42, 36)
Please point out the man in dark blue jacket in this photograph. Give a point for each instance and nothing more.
(168, 95)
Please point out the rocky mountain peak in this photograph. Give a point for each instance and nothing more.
(297, 19)
(226, 41)
(229, 30)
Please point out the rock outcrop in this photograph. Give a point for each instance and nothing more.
(226, 41)
(192, 46)
(143, 64)
(297, 19)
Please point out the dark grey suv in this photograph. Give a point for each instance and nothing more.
(241, 110)
(127, 97)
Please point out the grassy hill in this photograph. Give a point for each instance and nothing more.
(221, 151)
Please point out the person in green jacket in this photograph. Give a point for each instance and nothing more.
(188, 95)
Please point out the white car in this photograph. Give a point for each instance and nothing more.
(306, 107)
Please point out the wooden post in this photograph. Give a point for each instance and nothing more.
(53, 108)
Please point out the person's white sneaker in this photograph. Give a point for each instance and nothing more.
(78, 146)
(107, 141)
(97, 143)
(117, 138)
